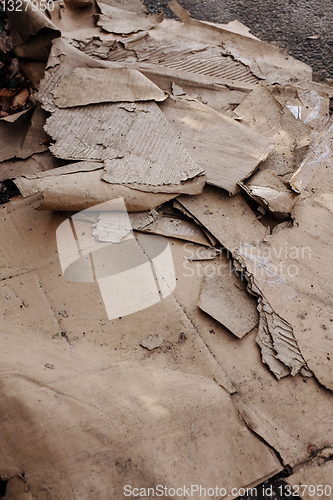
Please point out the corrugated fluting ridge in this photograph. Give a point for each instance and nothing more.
(186, 56)
(136, 142)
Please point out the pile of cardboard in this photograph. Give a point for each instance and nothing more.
(205, 138)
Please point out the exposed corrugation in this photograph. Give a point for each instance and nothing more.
(136, 142)
(276, 338)
(181, 55)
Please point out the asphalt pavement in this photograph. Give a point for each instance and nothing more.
(302, 27)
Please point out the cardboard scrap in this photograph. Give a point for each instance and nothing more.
(23, 135)
(309, 106)
(270, 192)
(228, 218)
(319, 154)
(121, 21)
(224, 297)
(152, 342)
(62, 60)
(227, 150)
(32, 165)
(28, 22)
(291, 273)
(185, 56)
(136, 143)
(111, 227)
(104, 85)
(264, 114)
(169, 226)
(78, 186)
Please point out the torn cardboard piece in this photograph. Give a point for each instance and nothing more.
(111, 227)
(309, 106)
(165, 60)
(78, 186)
(104, 85)
(27, 23)
(228, 218)
(70, 19)
(153, 341)
(264, 114)
(271, 193)
(123, 22)
(62, 60)
(265, 61)
(135, 141)
(185, 56)
(224, 297)
(227, 150)
(275, 334)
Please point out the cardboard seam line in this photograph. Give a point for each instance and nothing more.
(260, 437)
(231, 390)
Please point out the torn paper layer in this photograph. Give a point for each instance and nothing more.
(171, 227)
(62, 60)
(27, 22)
(104, 85)
(23, 135)
(318, 155)
(135, 141)
(32, 165)
(185, 56)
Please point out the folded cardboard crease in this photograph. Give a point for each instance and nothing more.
(227, 380)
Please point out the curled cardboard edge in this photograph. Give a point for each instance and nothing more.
(79, 186)
(104, 85)
(271, 193)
